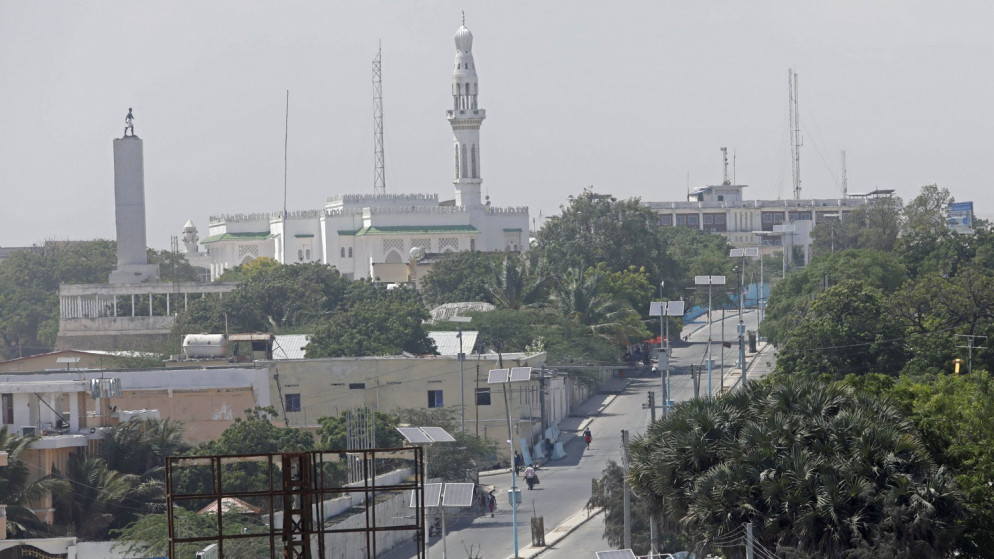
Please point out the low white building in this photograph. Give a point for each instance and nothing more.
(374, 235)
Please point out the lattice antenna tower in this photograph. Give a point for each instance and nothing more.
(796, 142)
(724, 160)
(379, 165)
(845, 177)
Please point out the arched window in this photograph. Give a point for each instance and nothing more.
(472, 244)
(463, 169)
(457, 161)
(350, 252)
(343, 252)
(300, 255)
(474, 174)
(307, 254)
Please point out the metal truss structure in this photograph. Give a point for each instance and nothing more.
(295, 505)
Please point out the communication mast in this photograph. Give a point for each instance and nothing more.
(845, 178)
(724, 159)
(379, 171)
(796, 142)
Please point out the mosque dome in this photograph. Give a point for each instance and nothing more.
(464, 39)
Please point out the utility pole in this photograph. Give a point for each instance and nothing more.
(969, 346)
(749, 541)
(652, 406)
(628, 498)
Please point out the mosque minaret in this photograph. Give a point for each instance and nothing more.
(374, 235)
(466, 118)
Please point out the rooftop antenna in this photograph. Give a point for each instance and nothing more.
(796, 142)
(286, 141)
(845, 178)
(724, 162)
(379, 166)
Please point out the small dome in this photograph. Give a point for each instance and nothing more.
(464, 39)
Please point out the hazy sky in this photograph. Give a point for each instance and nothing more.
(629, 97)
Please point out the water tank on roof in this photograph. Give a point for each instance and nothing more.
(201, 346)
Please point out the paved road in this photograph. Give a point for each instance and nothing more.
(566, 483)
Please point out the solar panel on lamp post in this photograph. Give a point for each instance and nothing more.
(426, 436)
(662, 309)
(505, 377)
(709, 281)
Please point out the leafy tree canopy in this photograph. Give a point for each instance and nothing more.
(791, 296)
(819, 469)
(846, 330)
(374, 321)
(459, 277)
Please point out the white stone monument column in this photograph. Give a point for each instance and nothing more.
(129, 206)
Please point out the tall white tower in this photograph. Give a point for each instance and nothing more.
(129, 205)
(466, 118)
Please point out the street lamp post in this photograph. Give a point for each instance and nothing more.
(664, 309)
(462, 381)
(505, 377)
(709, 281)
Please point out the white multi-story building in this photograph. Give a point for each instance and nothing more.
(374, 235)
(722, 209)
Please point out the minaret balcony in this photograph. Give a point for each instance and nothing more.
(466, 113)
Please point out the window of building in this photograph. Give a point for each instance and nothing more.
(721, 197)
(666, 219)
(483, 396)
(7, 409)
(435, 399)
(708, 219)
(307, 254)
(691, 220)
(777, 218)
(767, 218)
(350, 252)
(343, 252)
(300, 254)
(681, 220)
(357, 386)
(292, 402)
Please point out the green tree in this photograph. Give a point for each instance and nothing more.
(18, 492)
(454, 461)
(819, 469)
(99, 498)
(595, 228)
(29, 290)
(845, 330)
(149, 535)
(459, 277)
(141, 446)
(578, 296)
(609, 493)
(514, 284)
(374, 321)
(790, 296)
(333, 434)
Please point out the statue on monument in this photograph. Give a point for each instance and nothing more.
(129, 123)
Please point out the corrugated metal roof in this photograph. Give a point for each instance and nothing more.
(448, 342)
(290, 346)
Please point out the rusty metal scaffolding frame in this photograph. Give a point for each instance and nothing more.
(297, 487)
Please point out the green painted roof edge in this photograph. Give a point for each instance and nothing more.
(406, 229)
(261, 236)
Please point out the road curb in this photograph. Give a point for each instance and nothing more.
(566, 528)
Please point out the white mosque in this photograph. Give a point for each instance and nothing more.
(375, 235)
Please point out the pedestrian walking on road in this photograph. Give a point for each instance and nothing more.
(531, 478)
(518, 462)
(587, 437)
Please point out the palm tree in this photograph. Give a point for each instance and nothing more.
(99, 498)
(16, 489)
(578, 297)
(514, 284)
(141, 447)
(817, 468)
